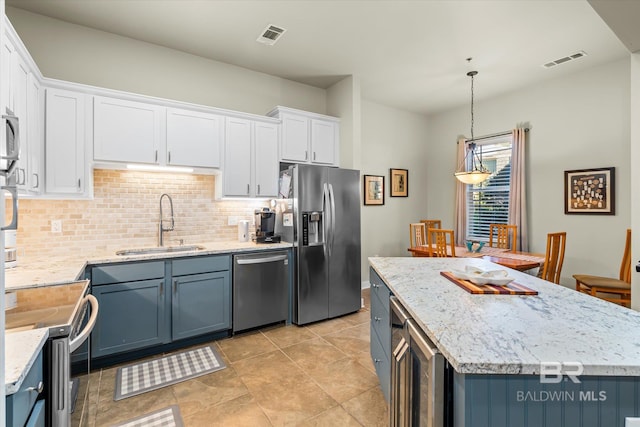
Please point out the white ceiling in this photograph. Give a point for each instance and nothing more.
(407, 54)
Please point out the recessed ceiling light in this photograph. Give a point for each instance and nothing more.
(559, 61)
(270, 35)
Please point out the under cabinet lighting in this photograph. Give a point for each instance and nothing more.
(154, 168)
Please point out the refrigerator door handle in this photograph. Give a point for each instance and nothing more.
(326, 203)
(333, 217)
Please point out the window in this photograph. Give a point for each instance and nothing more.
(488, 202)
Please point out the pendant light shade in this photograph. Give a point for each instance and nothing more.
(472, 171)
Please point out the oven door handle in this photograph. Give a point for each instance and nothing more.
(82, 336)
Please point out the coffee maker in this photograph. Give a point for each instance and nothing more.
(265, 224)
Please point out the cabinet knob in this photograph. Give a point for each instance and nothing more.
(306, 155)
(156, 156)
(248, 188)
(314, 155)
(377, 360)
(258, 188)
(37, 389)
(377, 319)
(36, 181)
(169, 157)
(375, 286)
(175, 286)
(79, 183)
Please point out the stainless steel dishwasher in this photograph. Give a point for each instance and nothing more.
(260, 289)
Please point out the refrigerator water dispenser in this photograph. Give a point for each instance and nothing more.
(312, 229)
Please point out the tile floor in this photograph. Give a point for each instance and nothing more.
(316, 375)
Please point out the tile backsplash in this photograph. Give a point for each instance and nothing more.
(124, 213)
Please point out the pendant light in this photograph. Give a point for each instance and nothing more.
(476, 172)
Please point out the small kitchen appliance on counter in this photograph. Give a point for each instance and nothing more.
(265, 224)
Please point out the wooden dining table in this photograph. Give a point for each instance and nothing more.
(512, 259)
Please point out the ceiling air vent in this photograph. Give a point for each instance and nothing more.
(271, 35)
(565, 59)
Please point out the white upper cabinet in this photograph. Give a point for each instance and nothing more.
(65, 142)
(194, 138)
(237, 158)
(295, 138)
(308, 137)
(267, 166)
(23, 98)
(126, 131)
(323, 141)
(251, 166)
(35, 132)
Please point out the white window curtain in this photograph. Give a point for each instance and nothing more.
(461, 198)
(517, 193)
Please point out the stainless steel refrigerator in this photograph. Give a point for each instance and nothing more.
(320, 216)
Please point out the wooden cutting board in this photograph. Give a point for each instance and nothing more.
(512, 288)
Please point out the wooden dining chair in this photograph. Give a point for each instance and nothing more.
(501, 233)
(417, 235)
(554, 257)
(438, 242)
(432, 223)
(607, 288)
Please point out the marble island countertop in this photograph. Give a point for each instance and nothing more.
(45, 271)
(508, 334)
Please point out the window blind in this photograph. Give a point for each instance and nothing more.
(488, 202)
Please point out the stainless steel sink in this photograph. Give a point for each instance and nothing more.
(160, 250)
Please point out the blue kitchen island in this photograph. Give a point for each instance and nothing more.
(559, 358)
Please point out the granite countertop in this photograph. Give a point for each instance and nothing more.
(508, 334)
(23, 347)
(45, 271)
(21, 350)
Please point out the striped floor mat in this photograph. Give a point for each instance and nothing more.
(167, 417)
(142, 377)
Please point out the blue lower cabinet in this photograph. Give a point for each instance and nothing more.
(21, 403)
(37, 415)
(162, 302)
(380, 334)
(201, 303)
(132, 316)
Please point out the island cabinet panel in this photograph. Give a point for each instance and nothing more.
(523, 400)
(380, 331)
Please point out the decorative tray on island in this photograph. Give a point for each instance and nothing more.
(494, 282)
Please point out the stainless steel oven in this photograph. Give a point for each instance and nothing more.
(420, 392)
(45, 308)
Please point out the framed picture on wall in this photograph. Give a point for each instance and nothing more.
(399, 182)
(373, 190)
(590, 191)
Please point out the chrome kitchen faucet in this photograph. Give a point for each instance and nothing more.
(161, 227)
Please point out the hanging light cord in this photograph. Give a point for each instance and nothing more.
(472, 145)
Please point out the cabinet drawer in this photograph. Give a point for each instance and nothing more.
(127, 272)
(382, 364)
(196, 265)
(20, 403)
(381, 324)
(379, 289)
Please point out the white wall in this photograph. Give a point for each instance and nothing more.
(577, 122)
(392, 138)
(343, 100)
(83, 55)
